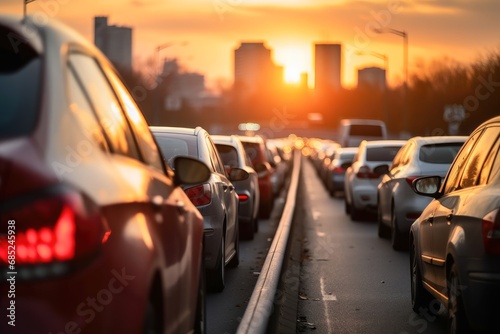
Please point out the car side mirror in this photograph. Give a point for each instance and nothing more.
(427, 186)
(188, 170)
(238, 174)
(381, 170)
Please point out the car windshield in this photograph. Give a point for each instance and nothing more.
(20, 72)
(385, 153)
(172, 147)
(439, 153)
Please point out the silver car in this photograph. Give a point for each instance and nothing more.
(216, 199)
(362, 178)
(233, 155)
(336, 169)
(455, 243)
(398, 205)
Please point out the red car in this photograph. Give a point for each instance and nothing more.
(95, 236)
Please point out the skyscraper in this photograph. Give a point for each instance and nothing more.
(114, 41)
(327, 66)
(254, 68)
(372, 76)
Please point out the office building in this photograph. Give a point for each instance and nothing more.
(372, 77)
(114, 41)
(327, 66)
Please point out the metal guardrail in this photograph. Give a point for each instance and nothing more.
(260, 307)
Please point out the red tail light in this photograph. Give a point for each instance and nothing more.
(364, 172)
(199, 195)
(339, 170)
(243, 197)
(491, 232)
(410, 180)
(58, 227)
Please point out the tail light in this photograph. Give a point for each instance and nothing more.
(364, 172)
(200, 194)
(410, 180)
(52, 228)
(243, 197)
(491, 232)
(339, 170)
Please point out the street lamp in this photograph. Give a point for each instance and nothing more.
(386, 65)
(403, 34)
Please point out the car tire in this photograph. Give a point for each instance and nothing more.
(398, 241)
(217, 275)
(420, 298)
(153, 322)
(356, 214)
(266, 209)
(247, 230)
(200, 320)
(383, 230)
(457, 322)
(347, 207)
(235, 261)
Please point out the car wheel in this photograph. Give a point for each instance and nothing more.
(153, 320)
(256, 224)
(356, 214)
(247, 230)
(347, 207)
(420, 298)
(235, 261)
(216, 275)
(200, 325)
(267, 209)
(457, 319)
(383, 230)
(397, 238)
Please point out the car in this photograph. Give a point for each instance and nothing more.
(216, 198)
(362, 178)
(455, 243)
(96, 234)
(233, 155)
(353, 131)
(336, 169)
(280, 168)
(255, 147)
(398, 204)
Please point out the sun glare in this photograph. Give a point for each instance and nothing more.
(292, 74)
(295, 59)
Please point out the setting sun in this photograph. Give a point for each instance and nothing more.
(296, 59)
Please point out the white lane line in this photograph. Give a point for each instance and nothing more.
(316, 214)
(326, 298)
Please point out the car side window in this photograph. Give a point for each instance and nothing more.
(495, 165)
(474, 166)
(400, 156)
(219, 166)
(139, 126)
(486, 170)
(454, 174)
(80, 107)
(105, 103)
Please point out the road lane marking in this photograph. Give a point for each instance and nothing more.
(327, 296)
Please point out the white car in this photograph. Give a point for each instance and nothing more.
(398, 204)
(362, 178)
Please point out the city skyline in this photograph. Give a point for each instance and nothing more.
(460, 30)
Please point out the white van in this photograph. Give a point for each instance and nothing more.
(353, 131)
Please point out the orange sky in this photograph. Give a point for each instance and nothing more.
(460, 29)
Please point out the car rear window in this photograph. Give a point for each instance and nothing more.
(20, 72)
(346, 156)
(386, 153)
(253, 150)
(171, 147)
(439, 153)
(365, 130)
(228, 154)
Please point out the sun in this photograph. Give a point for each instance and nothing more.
(295, 59)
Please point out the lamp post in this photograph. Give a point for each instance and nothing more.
(403, 34)
(386, 66)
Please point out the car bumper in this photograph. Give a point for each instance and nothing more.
(364, 196)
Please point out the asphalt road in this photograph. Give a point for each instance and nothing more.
(351, 281)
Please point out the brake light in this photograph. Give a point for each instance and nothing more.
(364, 172)
(491, 232)
(410, 180)
(59, 227)
(243, 197)
(339, 170)
(199, 195)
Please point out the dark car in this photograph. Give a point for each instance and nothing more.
(257, 151)
(233, 155)
(455, 243)
(95, 236)
(216, 198)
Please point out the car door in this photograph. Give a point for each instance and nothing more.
(453, 210)
(178, 222)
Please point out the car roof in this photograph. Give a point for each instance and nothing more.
(438, 139)
(225, 139)
(174, 129)
(249, 139)
(361, 121)
(382, 143)
(347, 150)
